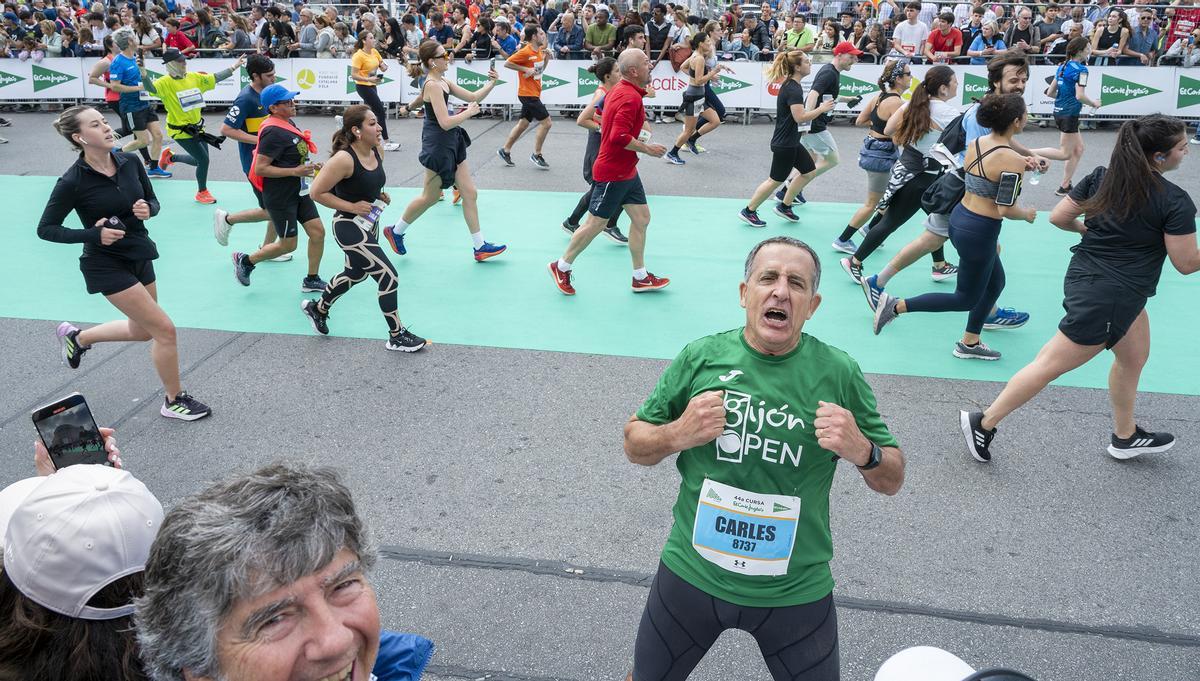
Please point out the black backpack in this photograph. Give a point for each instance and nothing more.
(954, 136)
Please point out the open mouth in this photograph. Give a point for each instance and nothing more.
(344, 675)
(776, 316)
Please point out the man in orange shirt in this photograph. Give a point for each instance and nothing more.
(529, 62)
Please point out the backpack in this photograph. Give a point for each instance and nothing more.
(954, 136)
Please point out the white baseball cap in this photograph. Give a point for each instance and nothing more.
(75, 532)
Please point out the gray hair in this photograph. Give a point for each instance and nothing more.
(123, 38)
(787, 241)
(236, 540)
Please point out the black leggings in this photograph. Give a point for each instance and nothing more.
(905, 204)
(980, 272)
(197, 155)
(364, 258)
(582, 207)
(370, 97)
(680, 623)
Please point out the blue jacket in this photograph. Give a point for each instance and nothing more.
(402, 657)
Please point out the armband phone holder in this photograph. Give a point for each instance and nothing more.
(1010, 189)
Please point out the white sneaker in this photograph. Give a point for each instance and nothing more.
(391, 146)
(286, 257)
(221, 227)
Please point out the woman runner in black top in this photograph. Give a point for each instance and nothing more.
(351, 183)
(1133, 220)
(606, 72)
(112, 196)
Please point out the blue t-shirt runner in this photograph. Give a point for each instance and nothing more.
(124, 70)
(247, 114)
(1069, 75)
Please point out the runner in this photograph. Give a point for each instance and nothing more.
(125, 78)
(282, 161)
(99, 77)
(112, 195)
(1133, 220)
(699, 76)
(366, 69)
(616, 182)
(791, 115)
(993, 183)
(1069, 90)
(750, 545)
(182, 95)
(529, 62)
(242, 123)
(444, 145)
(351, 183)
(605, 71)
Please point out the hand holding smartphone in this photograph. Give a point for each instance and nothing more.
(69, 432)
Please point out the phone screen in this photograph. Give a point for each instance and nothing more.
(70, 433)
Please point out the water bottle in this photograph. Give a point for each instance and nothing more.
(366, 222)
(1036, 177)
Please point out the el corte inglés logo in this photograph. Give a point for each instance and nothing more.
(44, 78)
(1115, 90)
(853, 87)
(472, 81)
(973, 87)
(550, 82)
(7, 79)
(586, 83)
(726, 84)
(1189, 92)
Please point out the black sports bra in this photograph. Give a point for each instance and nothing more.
(877, 123)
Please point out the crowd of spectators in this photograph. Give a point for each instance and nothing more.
(1129, 33)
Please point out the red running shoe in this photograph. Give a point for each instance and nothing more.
(205, 197)
(166, 159)
(457, 197)
(650, 283)
(561, 279)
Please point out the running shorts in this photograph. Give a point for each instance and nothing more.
(288, 218)
(609, 197)
(820, 143)
(1099, 310)
(877, 182)
(784, 159)
(693, 104)
(107, 274)
(136, 121)
(532, 109)
(680, 623)
(1067, 123)
(259, 196)
(938, 225)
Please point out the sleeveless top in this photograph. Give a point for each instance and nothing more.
(695, 90)
(363, 184)
(877, 123)
(1108, 39)
(980, 185)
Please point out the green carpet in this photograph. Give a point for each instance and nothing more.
(511, 302)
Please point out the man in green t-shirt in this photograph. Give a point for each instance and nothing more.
(601, 36)
(760, 416)
(800, 35)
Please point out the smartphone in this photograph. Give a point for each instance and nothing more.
(493, 65)
(69, 432)
(115, 223)
(1010, 189)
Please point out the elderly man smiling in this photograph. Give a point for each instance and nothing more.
(755, 414)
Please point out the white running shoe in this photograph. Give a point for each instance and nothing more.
(286, 257)
(221, 227)
(391, 146)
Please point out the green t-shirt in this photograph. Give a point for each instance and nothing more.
(801, 39)
(600, 36)
(183, 98)
(765, 481)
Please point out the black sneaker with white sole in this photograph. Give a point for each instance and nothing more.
(539, 162)
(506, 157)
(312, 284)
(979, 439)
(405, 341)
(853, 269)
(978, 351)
(614, 234)
(185, 408)
(569, 227)
(320, 320)
(72, 351)
(1140, 443)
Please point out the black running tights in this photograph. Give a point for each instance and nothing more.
(197, 155)
(370, 97)
(905, 204)
(364, 258)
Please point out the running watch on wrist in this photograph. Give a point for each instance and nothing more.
(876, 458)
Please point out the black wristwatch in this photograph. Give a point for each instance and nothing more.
(875, 460)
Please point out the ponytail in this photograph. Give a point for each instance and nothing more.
(916, 120)
(353, 117)
(1130, 177)
(893, 70)
(425, 54)
(784, 65)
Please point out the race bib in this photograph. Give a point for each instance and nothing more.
(745, 532)
(908, 49)
(191, 99)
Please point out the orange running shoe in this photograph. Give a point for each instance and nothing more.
(457, 197)
(166, 159)
(205, 197)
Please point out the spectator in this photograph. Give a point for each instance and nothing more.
(478, 43)
(908, 38)
(760, 42)
(1078, 18)
(507, 41)
(963, 11)
(945, 42)
(175, 38)
(601, 36)
(1051, 26)
(412, 35)
(1097, 12)
(1140, 50)
(873, 45)
(331, 15)
(845, 27)
(239, 40)
(70, 43)
(148, 37)
(658, 33)
(1023, 37)
(305, 45)
(800, 35)
(100, 31)
(828, 38)
(1110, 40)
(345, 40)
(438, 30)
(1180, 34)
(393, 38)
(458, 23)
(1058, 52)
(986, 45)
(51, 41)
(568, 40)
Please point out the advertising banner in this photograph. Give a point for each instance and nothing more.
(49, 79)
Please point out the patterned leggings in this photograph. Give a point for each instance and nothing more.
(364, 257)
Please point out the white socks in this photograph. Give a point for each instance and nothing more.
(399, 227)
(563, 265)
(639, 273)
(477, 237)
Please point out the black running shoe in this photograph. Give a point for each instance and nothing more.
(539, 162)
(785, 211)
(569, 227)
(1063, 191)
(405, 341)
(751, 218)
(978, 438)
(72, 351)
(185, 408)
(506, 157)
(615, 234)
(242, 267)
(1140, 443)
(320, 321)
(312, 284)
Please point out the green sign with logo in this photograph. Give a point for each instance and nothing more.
(44, 78)
(350, 81)
(472, 81)
(7, 79)
(974, 87)
(151, 76)
(725, 84)
(1115, 90)
(853, 87)
(244, 78)
(550, 82)
(586, 84)
(1189, 92)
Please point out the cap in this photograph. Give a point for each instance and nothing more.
(75, 533)
(274, 94)
(846, 47)
(924, 663)
(172, 54)
(11, 497)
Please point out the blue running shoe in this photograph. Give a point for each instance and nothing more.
(751, 218)
(488, 250)
(674, 159)
(871, 290)
(800, 200)
(395, 241)
(1005, 318)
(158, 172)
(781, 193)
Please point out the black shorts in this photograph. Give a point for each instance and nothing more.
(1099, 310)
(136, 121)
(609, 197)
(784, 159)
(259, 196)
(106, 274)
(288, 217)
(692, 105)
(1067, 123)
(680, 623)
(532, 109)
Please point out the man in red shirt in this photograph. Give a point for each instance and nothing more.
(945, 42)
(615, 176)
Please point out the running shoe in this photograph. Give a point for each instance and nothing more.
(678, 117)
(391, 146)
(569, 227)
(946, 271)
(751, 218)
(506, 157)
(158, 172)
(848, 246)
(396, 241)
(205, 197)
(782, 192)
(785, 211)
(854, 269)
(405, 341)
(979, 439)
(1063, 191)
(614, 234)
(674, 159)
(286, 257)
(561, 279)
(885, 311)
(650, 283)
(695, 148)
(1005, 318)
(489, 250)
(3, 140)
(441, 196)
(457, 197)
(872, 290)
(185, 408)
(166, 159)
(1140, 443)
(537, 160)
(312, 284)
(4, 123)
(72, 351)
(320, 320)
(221, 227)
(1195, 138)
(978, 351)
(242, 267)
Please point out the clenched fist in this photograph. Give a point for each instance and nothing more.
(838, 432)
(702, 421)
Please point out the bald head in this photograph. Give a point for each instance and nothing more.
(634, 66)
